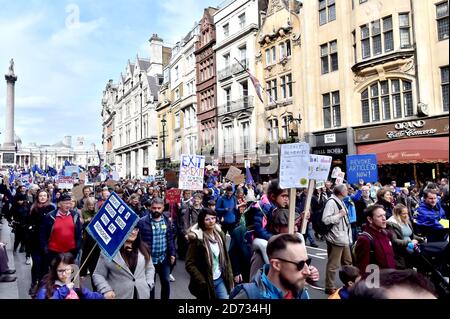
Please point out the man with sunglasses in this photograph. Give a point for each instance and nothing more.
(286, 274)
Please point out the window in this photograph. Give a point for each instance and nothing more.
(442, 20)
(268, 57)
(226, 59)
(228, 138)
(285, 49)
(272, 90)
(187, 118)
(355, 55)
(285, 126)
(226, 30)
(378, 39)
(331, 110)
(286, 86)
(329, 57)
(388, 34)
(128, 133)
(405, 38)
(365, 41)
(274, 54)
(176, 73)
(390, 99)
(145, 125)
(273, 130)
(243, 54)
(444, 85)
(177, 120)
(245, 131)
(227, 92)
(242, 21)
(136, 130)
(327, 8)
(177, 94)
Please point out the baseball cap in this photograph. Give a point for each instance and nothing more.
(64, 197)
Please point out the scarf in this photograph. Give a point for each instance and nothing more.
(216, 239)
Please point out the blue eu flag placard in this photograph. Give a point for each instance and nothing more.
(112, 224)
(362, 167)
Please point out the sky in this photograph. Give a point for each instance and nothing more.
(66, 51)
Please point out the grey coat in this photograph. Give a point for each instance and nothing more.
(341, 232)
(116, 276)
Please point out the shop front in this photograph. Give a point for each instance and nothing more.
(407, 151)
(332, 144)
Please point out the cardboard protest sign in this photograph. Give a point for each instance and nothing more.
(192, 170)
(94, 175)
(77, 192)
(294, 165)
(319, 167)
(340, 178)
(232, 173)
(173, 196)
(72, 171)
(362, 167)
(335, 172)
(240, 179)
(112, 225)
(65, 182)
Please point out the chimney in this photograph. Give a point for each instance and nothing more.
(156, 55)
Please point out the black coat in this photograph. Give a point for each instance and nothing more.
(34, 223)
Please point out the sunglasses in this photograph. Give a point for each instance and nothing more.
(300, 265)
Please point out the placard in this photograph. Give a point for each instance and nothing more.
(335, 172)
(72, 171)
(362, 167)
(294, 165)
(192, 170)
(340, 178)
(173, 196)
(232, 173)
(319, 167)
(240, 179)
(65, 182)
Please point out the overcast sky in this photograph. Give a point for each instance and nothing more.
(63, 65)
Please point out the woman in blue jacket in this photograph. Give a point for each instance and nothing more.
(57, 283)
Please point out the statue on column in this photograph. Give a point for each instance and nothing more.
(11, 67)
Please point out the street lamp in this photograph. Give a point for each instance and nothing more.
(164, 123)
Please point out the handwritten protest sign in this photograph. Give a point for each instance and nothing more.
(232, 173)
(340, 178)
(294, 165)
(362, 167)
(77, 192)
(72, 171)
(112, 225)
(319, 167)
(335, 172)
(65, 182)
(240, 179)
(173, 196)
(192, 170)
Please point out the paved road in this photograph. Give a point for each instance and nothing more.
(179, 288)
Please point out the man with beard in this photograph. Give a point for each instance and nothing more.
(157, 233)
(286, 274)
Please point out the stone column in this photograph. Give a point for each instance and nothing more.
(8, 142)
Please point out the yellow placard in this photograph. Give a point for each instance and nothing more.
(444, 223)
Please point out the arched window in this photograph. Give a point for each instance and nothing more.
(386, 100)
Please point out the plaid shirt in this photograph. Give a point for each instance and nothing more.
(159, 244)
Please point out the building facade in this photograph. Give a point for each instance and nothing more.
(129, 116)
(237, 23)
(206, 83)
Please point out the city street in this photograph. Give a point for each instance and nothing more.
(179, 288)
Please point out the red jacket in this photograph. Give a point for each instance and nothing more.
(382, 253)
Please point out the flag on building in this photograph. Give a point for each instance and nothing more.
(259, 89)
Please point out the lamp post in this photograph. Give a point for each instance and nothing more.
(164, 123)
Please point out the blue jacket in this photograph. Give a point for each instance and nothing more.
(261, 210)
(231, 215)
(47, 227)
(145, 228)
(61, 292)
(262, 288)
(349, 203)
(429, 216)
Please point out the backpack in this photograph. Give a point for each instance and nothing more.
(316, 218)
(251, 290)
(249, 215)
(372, 247)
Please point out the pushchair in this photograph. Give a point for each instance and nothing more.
(433, 261)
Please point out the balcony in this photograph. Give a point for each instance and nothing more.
(240, 67)
(225, 73)
(238, 105)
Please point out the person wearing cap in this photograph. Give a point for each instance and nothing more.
(61, 230)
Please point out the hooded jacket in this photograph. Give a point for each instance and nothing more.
(198, 266)
(266, 289)
(428, 216)
(383, 254)
(262, 217)
(341, 232)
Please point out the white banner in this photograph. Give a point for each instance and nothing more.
(319, 167)
(192, 170)
(294, 165)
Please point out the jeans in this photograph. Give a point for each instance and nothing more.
(163, 270)
(220, 289)
(309, 234)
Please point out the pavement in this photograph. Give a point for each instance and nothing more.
(178, 289)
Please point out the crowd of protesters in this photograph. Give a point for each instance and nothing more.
(233, 238)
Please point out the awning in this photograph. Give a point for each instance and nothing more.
(405, 151)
